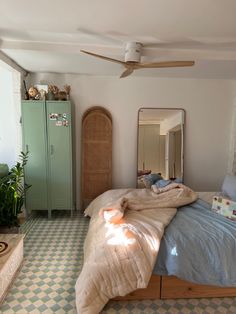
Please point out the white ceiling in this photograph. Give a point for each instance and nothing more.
(47, 37)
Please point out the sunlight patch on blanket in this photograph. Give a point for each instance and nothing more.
(119, 235)
(124, 234)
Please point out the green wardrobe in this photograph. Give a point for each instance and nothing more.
(47, 136)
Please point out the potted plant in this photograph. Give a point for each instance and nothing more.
(12, 195)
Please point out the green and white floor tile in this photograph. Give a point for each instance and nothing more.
(53, 257)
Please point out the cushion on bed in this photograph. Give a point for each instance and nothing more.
(151, 179)
(143, 172)
(229, 186)
(162, 183)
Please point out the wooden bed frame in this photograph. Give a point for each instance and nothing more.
(171, 287)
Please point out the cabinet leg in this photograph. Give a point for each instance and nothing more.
(49, 214)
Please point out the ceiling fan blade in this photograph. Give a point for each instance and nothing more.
(103, 57)
(127, 72)
(166, 64)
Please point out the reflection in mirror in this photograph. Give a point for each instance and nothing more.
(160, 146)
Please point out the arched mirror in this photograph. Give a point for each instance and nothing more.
(160, 145)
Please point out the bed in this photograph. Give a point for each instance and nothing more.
(196, 236)
(174, 275)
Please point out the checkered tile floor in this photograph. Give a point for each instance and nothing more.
(53, 258)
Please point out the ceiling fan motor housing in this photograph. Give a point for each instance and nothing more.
(133, 52)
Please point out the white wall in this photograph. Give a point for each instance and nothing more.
(208, 105)
(232, 155)
(171, 123)
(10, 132)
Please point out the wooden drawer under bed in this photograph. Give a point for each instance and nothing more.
(171, 287)
(175, 288)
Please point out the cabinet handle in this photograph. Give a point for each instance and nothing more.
(27, 148)
(51, 149)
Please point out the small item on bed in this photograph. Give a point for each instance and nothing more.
(160, 184)
(225, 206)
(151, 179)
(143, 172)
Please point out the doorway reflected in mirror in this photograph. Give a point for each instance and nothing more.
(160, 146)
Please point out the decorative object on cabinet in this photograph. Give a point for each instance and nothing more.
(26, 97)
(42, 94)
(47, 136)
(33, 93)
(61, 95)
(55, 94)
(50, 95)
(52, 91)
(67, 89)
(96, 153)
(43, 90)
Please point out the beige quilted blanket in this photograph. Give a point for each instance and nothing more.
(119, 257)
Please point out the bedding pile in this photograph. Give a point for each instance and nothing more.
(123, 241)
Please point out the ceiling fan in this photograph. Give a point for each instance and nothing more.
(132, 60)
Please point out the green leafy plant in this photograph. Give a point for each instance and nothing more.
(12, 193)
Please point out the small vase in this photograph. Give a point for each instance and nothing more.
(50, 96)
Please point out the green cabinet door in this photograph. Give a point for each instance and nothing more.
(35, 142)
(60, 154)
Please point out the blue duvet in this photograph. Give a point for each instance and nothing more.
(199, 246)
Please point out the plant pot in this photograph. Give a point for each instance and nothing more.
(50, 96)
(12, 230)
